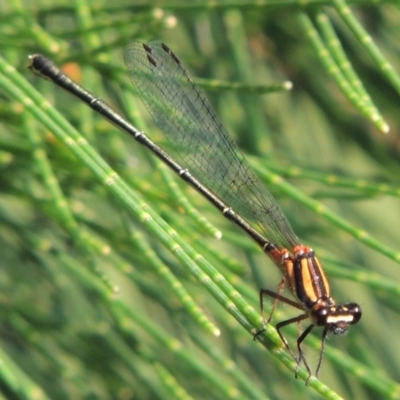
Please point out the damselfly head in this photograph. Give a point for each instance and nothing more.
(337, 318)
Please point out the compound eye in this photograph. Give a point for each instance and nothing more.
(320, 316)
(355, 310)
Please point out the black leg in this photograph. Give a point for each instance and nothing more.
(301, 354)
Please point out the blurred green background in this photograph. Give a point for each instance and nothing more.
(99, 296)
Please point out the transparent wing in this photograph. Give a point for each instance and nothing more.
(192, 127)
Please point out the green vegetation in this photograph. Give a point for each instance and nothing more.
(113, 284)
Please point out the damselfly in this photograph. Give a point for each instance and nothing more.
(214, 166)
